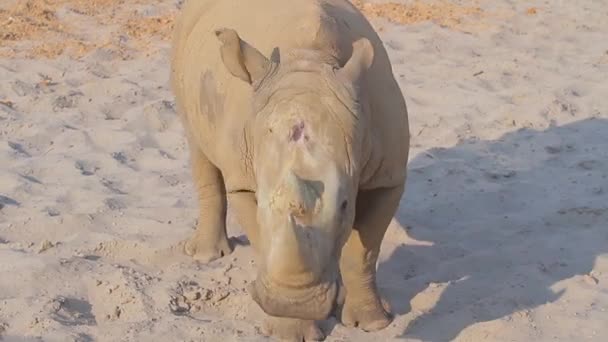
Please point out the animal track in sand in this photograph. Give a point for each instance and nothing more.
(190, 297)
(121, 295)
(215, 297)
(70, 311)
(139, 252)
(86, 168)
(4, 201)
(159, 115)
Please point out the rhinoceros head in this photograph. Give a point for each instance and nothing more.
(307, 141)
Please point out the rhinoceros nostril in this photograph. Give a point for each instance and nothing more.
(344, 205)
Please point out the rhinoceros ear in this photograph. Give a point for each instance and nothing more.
(359, 62)
(241, 59)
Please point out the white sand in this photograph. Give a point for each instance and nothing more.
(502, 234)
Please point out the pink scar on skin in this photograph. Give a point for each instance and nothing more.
(297, 131)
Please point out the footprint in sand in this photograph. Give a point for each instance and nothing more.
(70, 311)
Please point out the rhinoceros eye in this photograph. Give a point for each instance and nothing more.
(344, 205)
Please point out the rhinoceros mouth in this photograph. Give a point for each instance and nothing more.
(311, 303)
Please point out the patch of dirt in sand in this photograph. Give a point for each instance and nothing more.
(49, 28)
(443, 13)
(141, 28)
(27, 20)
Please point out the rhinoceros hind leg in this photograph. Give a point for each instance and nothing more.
(209, 241)
(363, 307)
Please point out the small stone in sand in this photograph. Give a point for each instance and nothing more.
(532, 11)
(3, 327)
(192, 295)
(591, 280)
(178, 305)
(53, 212)
(44, 245)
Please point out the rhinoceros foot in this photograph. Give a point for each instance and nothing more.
(372, 316)
(206, 250)
(290, 329)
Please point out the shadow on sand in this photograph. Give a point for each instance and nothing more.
(507, 219)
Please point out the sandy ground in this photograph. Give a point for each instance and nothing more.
(502, 234)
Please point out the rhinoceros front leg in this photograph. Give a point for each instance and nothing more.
(245, 210)
(363, 307)
(287, 329)
(210, 241)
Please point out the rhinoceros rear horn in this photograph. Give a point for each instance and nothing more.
(360, 61)
(241, 59)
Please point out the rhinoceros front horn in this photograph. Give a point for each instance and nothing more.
(303, 196)
(241, 59)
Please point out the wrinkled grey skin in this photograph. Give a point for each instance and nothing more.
(303, 128)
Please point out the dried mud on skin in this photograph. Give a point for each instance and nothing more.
(50, 28)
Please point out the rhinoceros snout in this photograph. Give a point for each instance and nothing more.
(313, 303)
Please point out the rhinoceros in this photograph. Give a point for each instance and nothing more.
(293, 116)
